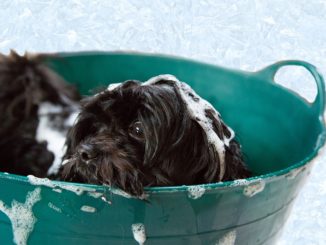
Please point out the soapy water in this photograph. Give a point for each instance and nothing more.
(196, 191)
(228, 239)
(139, 233)
(21, 216)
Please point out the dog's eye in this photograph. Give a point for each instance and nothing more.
(136, 130)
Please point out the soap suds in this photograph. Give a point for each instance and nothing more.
(254, 188)
(197, 108)
(228, 239)
(126, 195)
(113, 86)
(88, 209)
(120, 193)
(139, 233)
(21, 216)
(57, 190)
(240, 182)
(295, 172)
(54, 135)
(195, 192)
(95, 194)
(78, 190)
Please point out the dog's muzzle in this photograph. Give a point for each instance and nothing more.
(87, 153)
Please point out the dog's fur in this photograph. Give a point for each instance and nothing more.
(137, 136)
(25, 83)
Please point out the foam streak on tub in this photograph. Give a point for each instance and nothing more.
(228, 239)
(138, 231)
(21, 216)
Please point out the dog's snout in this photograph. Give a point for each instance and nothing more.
(87, 152)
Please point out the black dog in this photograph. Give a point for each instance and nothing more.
(34, 102)
(160, 133)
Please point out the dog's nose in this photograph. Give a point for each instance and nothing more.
(87, 152)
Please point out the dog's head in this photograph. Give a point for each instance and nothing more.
(25, 83)
(136, 135)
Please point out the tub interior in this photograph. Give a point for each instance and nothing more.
(275, 127)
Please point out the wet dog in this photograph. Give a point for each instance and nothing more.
(36, 110)
(159, 133)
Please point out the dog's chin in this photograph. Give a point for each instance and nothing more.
(102, 172)
(77, 171)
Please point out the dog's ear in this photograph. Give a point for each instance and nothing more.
(83, 126)
(27, 80)
(235, 167)
(233, 158)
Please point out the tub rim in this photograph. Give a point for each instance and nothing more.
(269, 177)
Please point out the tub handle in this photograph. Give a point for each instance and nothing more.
(318, 105)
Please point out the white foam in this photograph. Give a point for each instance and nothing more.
(121, 193)
(21, 216)
(196, 107)
(103, 198)
(195, 192)
(113, 86)
(127, 195)
(57, 190)
(88, 209)
(240, 182)
(254, 188)
(95, 194)
(228, 239)
(78, 190)
(139, 233)
(294, 173)
(40, 181)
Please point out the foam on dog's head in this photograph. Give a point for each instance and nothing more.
(158, 133)
(197, 108)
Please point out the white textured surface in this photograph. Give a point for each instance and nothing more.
(139, 233)
(246, 34)
(228, 239)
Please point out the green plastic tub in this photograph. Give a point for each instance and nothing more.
(281, 134)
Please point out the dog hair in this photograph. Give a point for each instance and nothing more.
(25, 85)
(159, 133)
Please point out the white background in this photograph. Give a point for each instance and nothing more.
(247, 34)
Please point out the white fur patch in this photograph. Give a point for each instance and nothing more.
(54, 137)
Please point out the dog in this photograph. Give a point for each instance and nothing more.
(158, 133)
(36, 110)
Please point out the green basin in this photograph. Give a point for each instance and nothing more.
(281, 134)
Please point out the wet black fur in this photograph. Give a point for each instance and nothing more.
(174, 150)
(25, 83)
